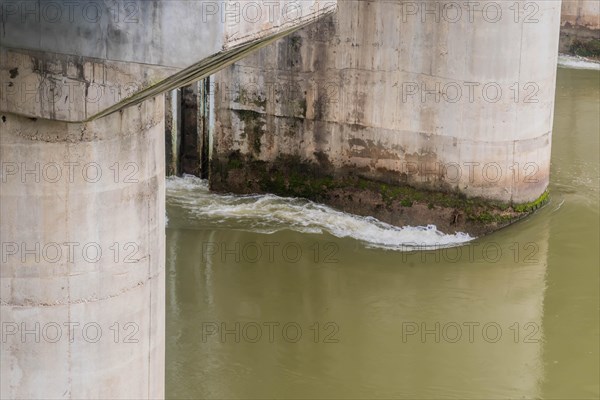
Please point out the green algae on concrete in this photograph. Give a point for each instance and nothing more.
(534, 205)
(587, 49)
(398, 204)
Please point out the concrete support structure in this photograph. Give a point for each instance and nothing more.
(82, 275)
(187, 129)
(172, 131)
(580, 28)
(424, 94)
(82, 180)
(194, 132)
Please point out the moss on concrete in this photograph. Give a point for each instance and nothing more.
(588, 48)
(253, 128)
(292, 177)
(534, 205)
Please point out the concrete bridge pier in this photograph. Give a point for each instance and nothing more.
(82, 150)
(389, 101)
(82, 295)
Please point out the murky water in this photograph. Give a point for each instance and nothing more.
(331, 308)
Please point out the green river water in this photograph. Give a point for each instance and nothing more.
(279, 298)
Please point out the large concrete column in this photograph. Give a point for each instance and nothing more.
(82, 195)
(82, 276)
(454, 97)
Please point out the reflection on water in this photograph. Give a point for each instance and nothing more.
(571, 304)
(323, 311)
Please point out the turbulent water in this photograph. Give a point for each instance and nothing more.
(272, 298)
(270, 214)
(567, 61)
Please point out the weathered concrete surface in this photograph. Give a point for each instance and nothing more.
(187, 122)
(92, 57)
(580, 28)
(90, 187)
(172, 131)
(68, 88)
(73, 325)
(387, 93)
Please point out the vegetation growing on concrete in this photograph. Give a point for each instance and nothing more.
(534, 205)
(588, 49)
(291, 177)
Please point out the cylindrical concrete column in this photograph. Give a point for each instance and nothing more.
(82, 276)
(439, 95)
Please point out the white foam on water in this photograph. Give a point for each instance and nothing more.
(575, 62)
(270, 214)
